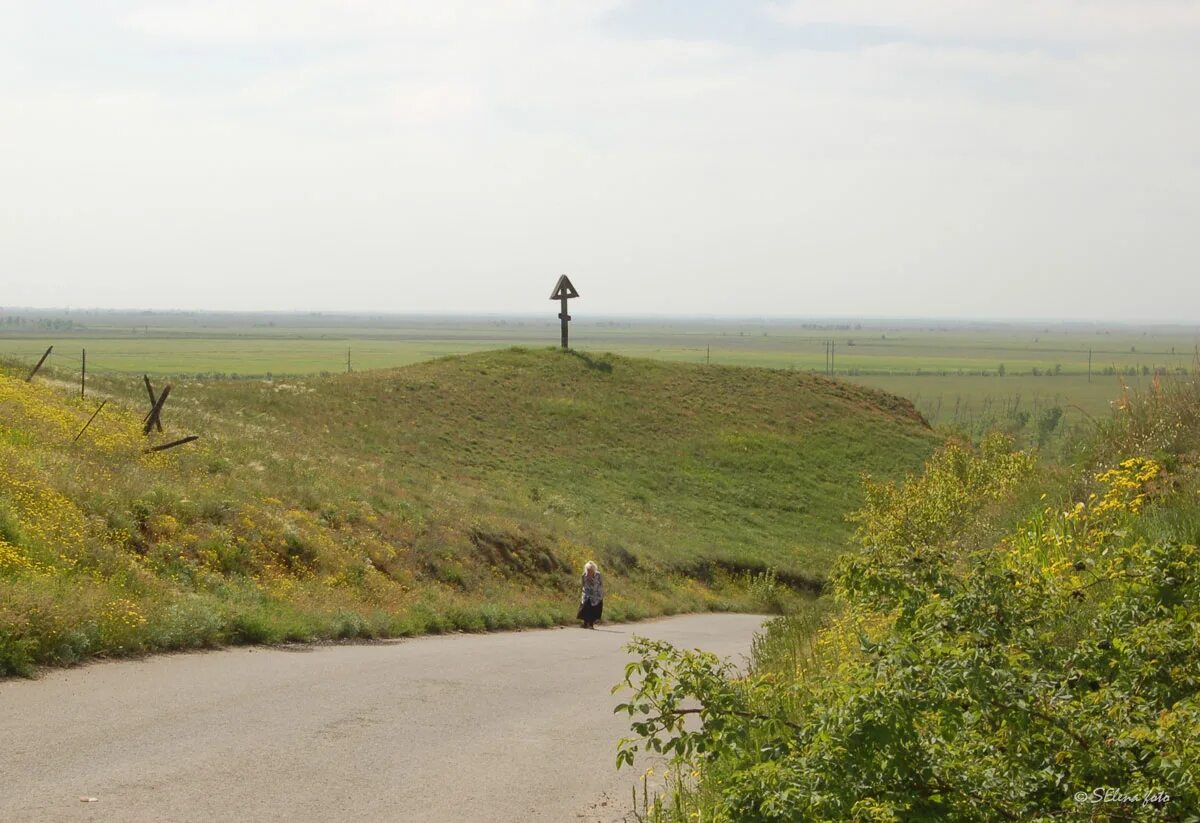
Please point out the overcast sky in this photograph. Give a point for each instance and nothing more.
(978, 158)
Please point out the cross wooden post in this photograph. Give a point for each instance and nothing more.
(153, 400)
(152, 419)
(564, 291)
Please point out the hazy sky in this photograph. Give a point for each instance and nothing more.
(984, 158)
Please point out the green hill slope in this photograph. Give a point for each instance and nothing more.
(461, 493)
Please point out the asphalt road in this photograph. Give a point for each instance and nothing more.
(500, 727)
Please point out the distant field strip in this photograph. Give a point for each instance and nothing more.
(952, 374)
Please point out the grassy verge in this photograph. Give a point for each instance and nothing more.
(463, 494)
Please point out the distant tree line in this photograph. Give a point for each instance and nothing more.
(56, 324)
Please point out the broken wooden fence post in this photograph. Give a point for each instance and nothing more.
(152, 419)
(564, 291)
(90, 419)
(153, 399)
(172, 444)
(39, 364)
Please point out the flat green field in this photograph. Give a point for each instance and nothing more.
(967, 399)
(957, 374)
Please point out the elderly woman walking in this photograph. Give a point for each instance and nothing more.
(591, 601)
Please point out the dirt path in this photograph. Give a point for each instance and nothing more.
(502, 727)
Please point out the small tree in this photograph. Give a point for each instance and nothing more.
(1047, 422)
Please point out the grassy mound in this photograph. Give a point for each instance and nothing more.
(459, 494)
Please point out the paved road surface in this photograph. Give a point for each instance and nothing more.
(502, 727)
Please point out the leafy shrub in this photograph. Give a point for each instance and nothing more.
(970, 671)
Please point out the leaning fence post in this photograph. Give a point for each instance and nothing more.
(172, 444)
(152, 418)
(153, 399)
(39, 364)
(90, 419)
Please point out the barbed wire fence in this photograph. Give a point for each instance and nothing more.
(150, 423)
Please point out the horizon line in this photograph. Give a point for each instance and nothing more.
(775, 318)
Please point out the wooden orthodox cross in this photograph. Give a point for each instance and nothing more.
(564, 291)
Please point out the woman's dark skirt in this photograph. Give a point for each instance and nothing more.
(589, 613)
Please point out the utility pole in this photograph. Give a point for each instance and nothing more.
(708, 355)
(348, 369)
(1089, 365)
(83, 375)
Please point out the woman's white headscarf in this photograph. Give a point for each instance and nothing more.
(590, 565)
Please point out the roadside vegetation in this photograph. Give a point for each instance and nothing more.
(1012, 640)
(459, 494)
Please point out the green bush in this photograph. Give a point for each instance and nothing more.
(16, 654)
(976, 665)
